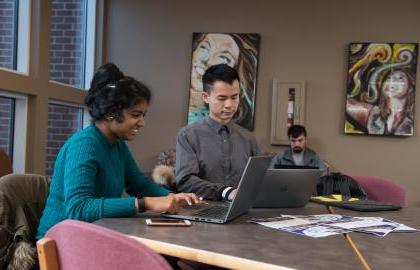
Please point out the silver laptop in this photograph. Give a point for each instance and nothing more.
(287, 187)
(223, 211)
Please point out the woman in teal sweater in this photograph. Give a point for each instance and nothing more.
(95, 165)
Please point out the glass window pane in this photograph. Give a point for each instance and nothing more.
(68, 35)
(8, 33)
(63, 121)
(7, 109)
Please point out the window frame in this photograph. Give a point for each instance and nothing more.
(30, 82)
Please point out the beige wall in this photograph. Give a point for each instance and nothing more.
(301, 40)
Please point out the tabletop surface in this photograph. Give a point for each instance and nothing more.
(248, 241)
(394, 251)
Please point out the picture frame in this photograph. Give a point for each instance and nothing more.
(238, 50)
(287, 108)
(380, 89)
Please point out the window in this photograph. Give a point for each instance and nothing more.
(8, 33)
(63, 121)
(68, 41)
(7, 111)
(13, 113)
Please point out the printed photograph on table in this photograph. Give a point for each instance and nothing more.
(381, 83)
(239, 51)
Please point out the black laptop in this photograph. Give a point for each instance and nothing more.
(223, 211)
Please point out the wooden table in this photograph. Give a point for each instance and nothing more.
(243, 245)
(394, 251)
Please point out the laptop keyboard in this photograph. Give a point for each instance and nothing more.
(194, 206)
(213, 212)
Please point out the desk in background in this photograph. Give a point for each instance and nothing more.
(242, 245)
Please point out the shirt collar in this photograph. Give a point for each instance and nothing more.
(216, 126)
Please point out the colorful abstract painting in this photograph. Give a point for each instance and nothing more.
(239, 51)
(381, 87)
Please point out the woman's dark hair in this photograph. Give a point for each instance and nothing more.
(111, 99)
(107, 73)
(409, 96)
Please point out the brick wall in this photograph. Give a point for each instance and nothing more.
(66, 66)
(7, 33)
(67, 41)
(6, 109)
(63, 121)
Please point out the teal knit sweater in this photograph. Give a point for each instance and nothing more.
(90, 175)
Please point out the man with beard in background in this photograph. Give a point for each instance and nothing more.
(298, 154)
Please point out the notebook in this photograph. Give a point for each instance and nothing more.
(223, 211)
(290, 187)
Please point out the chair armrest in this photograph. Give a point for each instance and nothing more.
(47, 254)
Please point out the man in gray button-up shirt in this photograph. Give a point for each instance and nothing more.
(212, 153)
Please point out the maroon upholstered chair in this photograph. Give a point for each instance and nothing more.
(79, 245)
(381, 190)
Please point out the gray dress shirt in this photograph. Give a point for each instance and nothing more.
(211, 157)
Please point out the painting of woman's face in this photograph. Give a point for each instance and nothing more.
(237, 50)
(396, 85)
(212, 50)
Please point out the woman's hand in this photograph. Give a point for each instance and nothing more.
(169, 204)
(189, 198)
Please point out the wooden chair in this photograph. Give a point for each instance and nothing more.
(73, 244)
(5, 164)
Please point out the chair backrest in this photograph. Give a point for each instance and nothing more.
(23, 196)
(22, 199)
(75, 245)
(381, 190)
(5, 164)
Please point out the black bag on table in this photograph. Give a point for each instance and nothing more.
(338, 183)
